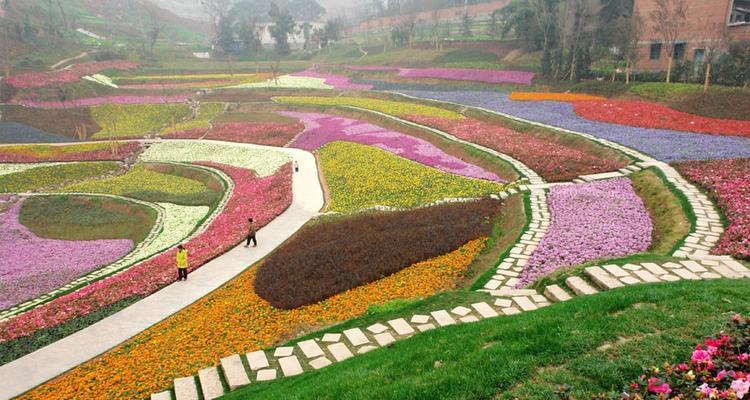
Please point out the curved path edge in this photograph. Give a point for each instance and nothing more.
(53, 360)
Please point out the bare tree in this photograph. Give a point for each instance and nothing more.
(62, 13)
(153, 29)
(716, 39)
(217, 11)
(545, 16)
(669, 17)
(630, 33)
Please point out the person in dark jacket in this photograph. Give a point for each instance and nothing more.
(251, 231)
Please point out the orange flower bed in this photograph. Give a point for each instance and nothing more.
(234, 319)
(547, 96)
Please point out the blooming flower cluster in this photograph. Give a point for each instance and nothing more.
(261, 198)
(99, 101)
(322, 129)
(467, 74)
(719, 368)
(136, 120)
(263, 161)
(264, 133)
(335, 80)
(75, 152)
(235, 319)
(392, 107)
(547, 96)
(665, 145)
(361, 177)
(103, 80)
(68, 75)
(552, 160)
(590, 221)
(31, 265)
(288, 81)
(729, 182)
(652, 115)
(34, 177)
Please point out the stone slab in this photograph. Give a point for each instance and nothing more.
(356, 337)
(210, 383)
(579, 286)
(366, 349)
(384, 339)
(461, 311)
(310, 348)
(425, 327)
(266, 375)
(319, 363)
(646, 276)
(420, 319)
(290, 366)
(524, 303)
(185, 389)
(331, 337)
(283, 351)
(377, 328)
(257, 360)
(556, 293)
(340, 352)
(685, 274)
(165, 395)
(484, 310)
(234, 372)
(401, 327)
(443, 318)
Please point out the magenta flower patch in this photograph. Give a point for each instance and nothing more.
(590, 221)
(31, 266)
(321, 129)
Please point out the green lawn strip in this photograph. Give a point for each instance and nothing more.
(54, 175)
(465, 152)
(516, 227)
(668, 211)
(20, 347)
(86, 218)
(355, 185)
(208, 112)
(528, 355)
(169, 183)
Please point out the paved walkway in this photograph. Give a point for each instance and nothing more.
(36, 368)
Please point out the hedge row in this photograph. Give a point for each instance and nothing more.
(330, 258)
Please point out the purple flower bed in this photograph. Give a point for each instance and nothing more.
(662, 144)
(31, 266)
(14, 132)
(97, 101)
(468, 74)
(321, 129)
(590, 221)
(335, 80)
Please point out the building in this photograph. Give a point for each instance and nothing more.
(702, 16)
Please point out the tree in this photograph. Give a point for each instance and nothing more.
(628, 36)
(518, 17)
(332, 31)
(153, 30)
(669, 17)
(545, 17)
(217, 11)
(62, 13)
(466, 25)
(225, 34)
(306, 29)
(249, 34)
(283, 25)
(716, 38)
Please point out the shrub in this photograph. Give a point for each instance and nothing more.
(327, 259)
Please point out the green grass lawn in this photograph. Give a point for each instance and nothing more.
(86, 218)
(596, 343)
(54, 175)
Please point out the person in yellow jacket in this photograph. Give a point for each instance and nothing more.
(182, 262)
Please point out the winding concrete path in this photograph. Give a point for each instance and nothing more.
(49, 362)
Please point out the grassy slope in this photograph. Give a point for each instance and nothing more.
(527, 355)
(86, 218)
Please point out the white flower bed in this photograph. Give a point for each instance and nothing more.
(288, 81)
(101, 79)
(263, 161)
(179, 223)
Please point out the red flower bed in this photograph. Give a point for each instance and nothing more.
(728, 181)
(718, 369)
(76, 152)
(553, 161)
(651, 115)
(261, 198)
(265, 133)
(72, 74)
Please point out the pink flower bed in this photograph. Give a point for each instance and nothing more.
(551, 160)
(728, 181)
(260, 198)
(590, 221)
(97, 101)
(69, 75)
(31, 266)
(264, 133)
(719, 368)
(652, 115)
(335, 80)
(371, 68)
(67, 153)
(321, 129)
(468, 74)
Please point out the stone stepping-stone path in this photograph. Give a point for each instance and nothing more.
(333, 347)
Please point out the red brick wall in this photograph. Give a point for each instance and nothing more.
(700, 13)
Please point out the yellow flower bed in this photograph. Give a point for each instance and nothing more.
(139, 179)
(361, 177)
(234, 319)
(119, 120)
(547, 96)
(396, 108)
(192, 77)
(208, 112)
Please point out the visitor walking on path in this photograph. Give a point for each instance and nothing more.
(182, 263)
(251, 230)
(296, 166)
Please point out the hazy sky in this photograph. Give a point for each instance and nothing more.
(192, 8)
